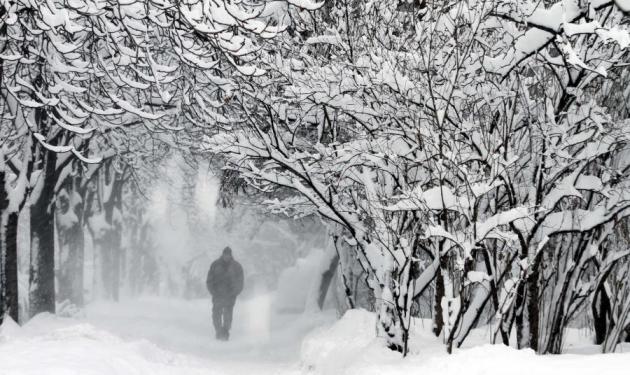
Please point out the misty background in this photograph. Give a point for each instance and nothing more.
(182, 230)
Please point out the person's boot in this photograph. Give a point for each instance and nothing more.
(226, 335)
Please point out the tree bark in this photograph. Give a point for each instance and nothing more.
(601, 313)
(42, 270)
(112, 240)
(72, 242)
(494, 293)
(9, 216)
(71, 271)
(438, 319)
(12, 307)
(533, 307)
(522, 328)
(326, 280)
(4, 205)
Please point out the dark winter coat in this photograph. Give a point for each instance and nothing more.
(225, 279)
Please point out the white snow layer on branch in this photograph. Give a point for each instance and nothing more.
(65, 149)
(545, 23)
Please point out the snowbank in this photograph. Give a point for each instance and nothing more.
(82, 349)
(158, 337)
(350, 347)
(349, 341)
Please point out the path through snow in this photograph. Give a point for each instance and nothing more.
(174, 337)
(186, 327)
(158, 336)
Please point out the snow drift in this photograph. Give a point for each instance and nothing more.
(350, 347)
(159, 337)
(82, 349)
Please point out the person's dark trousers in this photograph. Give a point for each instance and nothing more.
(222, 309)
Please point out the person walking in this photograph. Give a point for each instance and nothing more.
(225, 283)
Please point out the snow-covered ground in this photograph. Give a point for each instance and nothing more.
(349, 347)
(159, 336)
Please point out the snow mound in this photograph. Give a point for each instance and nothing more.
(124, 339)
(350, 347)
(8, 329)
(501, 360)
(347, 343)
(83, 349)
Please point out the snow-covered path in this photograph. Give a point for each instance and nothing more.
(158, 336)
(186, 327)
(174, 337)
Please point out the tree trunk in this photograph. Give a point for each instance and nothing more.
(616, 330)
(113, 240)
(77, 245)
(601, 313)
(106, 266)
(326, 280)
(533, 306)
(70, 229)
(12, 307)
(42, 270)
(520, 319)
(9, 301)
(388, 323)
(4, 205)
(438, 319)
(88, 197)
(116, 263)
(494, 293)
(71, 271)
